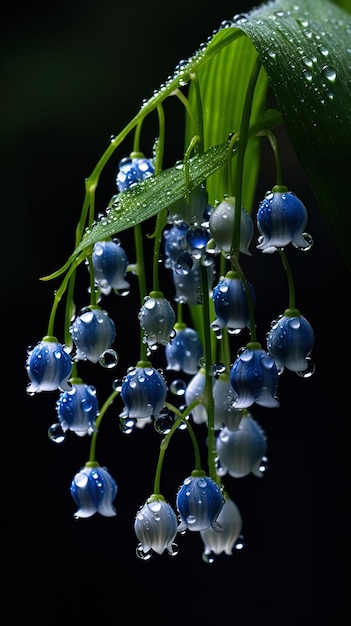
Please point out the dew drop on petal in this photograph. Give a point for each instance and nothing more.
(144, 556)
(310, 369)
(208, 557)
(240, 543)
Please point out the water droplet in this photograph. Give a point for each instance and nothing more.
(56, 433)
(144, 556)
(329, 73)
(310, 369)
(109, 359)
(208, 557)
(240, 543)
(178, 387)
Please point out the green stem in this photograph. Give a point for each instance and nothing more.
(140, 269)
(165, 442)
(274, 145)
(289, 277)
(211, 441)
(59, 293)
(101, 414)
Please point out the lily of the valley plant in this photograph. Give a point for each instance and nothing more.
(202, 219)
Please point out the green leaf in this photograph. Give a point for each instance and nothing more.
(223, 84)
(305, 48)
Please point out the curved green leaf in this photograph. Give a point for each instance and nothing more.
(305, 48)
(223, 84)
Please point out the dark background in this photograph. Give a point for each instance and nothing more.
(73, 74)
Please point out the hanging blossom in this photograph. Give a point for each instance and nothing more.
(195, 390)
(185, 351)
(242, 451)
(221, 225)
(224, 397)
(157, 319)
(281, 219)
(156, 526)
(290, 341)
(48, 366)
(132, 170)
(191, 210)
(227, 540)
(110, 265)
(254, 377)
(93, 489)
(143, 392)
(230, 303)
(77, 409)
(199, 502)
(93, 333)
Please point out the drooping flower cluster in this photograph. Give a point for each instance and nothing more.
(201, 324)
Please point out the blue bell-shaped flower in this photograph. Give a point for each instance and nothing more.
(110, 264)
(254, 377)
(93, 332)
(132, 170)
(230, 303)
(231, 522)
(157, 319)
(199, 502)
(221, 225)
(196, 391)
(185, 351)
(77, 408)
(143, 392)
(93, 489)
(242, 451)
(175, 243)
(281, 219)
(290, 341)
(188, 283)
(48, 366)
(156, 526)
(224, 396)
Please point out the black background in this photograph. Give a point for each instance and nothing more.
(73, 74)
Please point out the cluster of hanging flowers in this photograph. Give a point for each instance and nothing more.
(218, 383)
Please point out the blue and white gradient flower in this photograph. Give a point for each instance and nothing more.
(221, 225)
(290, 341)
(110, 265)
(93, 332)
(188, 283)
(195, 390)
(156, 526)
(192, 210)
(77, 409)
(281, 219)
(224, 396)
(230, 303)
(93, 489)
(242, 451)
(185, 351)
(132, 170)
(254, 378)
(143, 392)
(199, 502)
(231, 522)
(175, 243)
(157, 319)
(48, 366)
